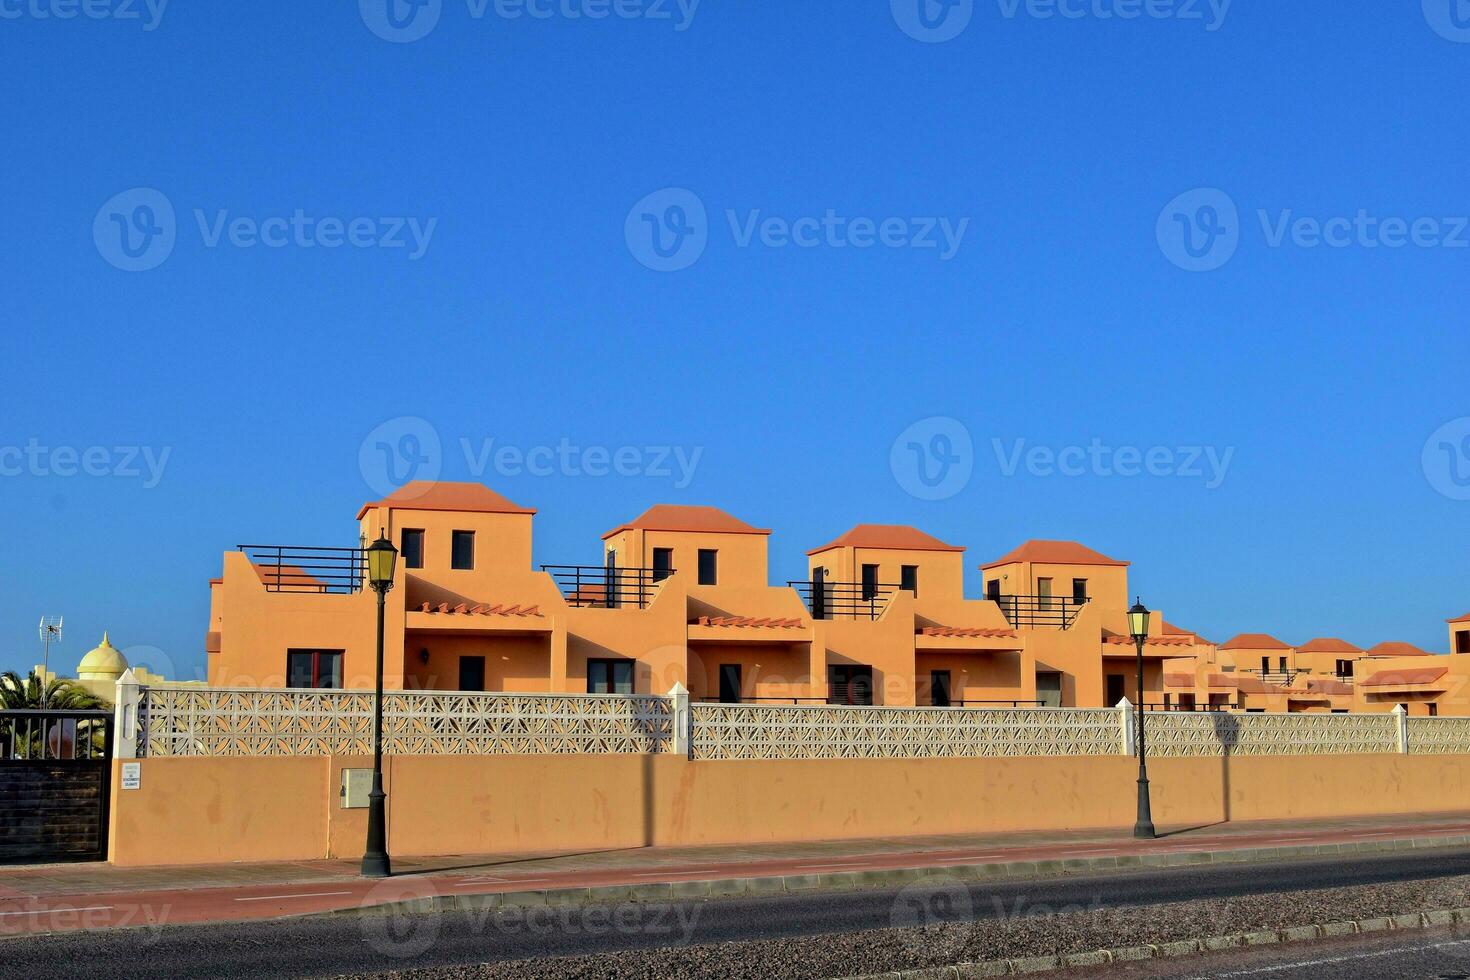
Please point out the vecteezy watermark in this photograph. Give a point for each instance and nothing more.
(933, 459)
(1209, 464)
(137, 230)
(1446, 459)
(941, 907)
(935, 21)
(148, 13)
(1449, 18)
(1200, 230)
(145, 463)
(669, 230)
(407, 449)
(406, 21)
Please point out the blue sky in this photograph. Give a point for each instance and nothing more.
(788, 357)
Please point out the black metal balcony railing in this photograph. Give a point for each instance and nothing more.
(845, 600)
(1176, 706)
(599, 587)
(328, 571)
(1040, 610)
(1282, 677)
(52, 735)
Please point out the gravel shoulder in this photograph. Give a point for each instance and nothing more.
(1015, 930)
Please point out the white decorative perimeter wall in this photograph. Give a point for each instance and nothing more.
(166, 721)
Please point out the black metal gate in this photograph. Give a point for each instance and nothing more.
(55, 785)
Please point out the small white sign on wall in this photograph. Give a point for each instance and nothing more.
(132, 775)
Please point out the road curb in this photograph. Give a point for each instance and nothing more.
(759, 887)
(1191, 947)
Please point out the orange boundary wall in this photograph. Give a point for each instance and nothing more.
(216, 810)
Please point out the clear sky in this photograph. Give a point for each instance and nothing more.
(240, 238)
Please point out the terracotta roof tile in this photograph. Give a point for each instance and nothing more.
(480, 609)
(1054, 553)
(1254, 641)
(1406, 678)
(1460, 619)
(682, 517)
(748, 622)
(1328, 644)
(466, 498)
(891, 537)
(1153, 641)
(1393, 648)
(993, 633)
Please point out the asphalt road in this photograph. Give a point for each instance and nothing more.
(1429, 955)
(332, 945)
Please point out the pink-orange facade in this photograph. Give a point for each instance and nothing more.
(682, 596)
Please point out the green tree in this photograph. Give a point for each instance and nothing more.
(63, 695)
(23, 737)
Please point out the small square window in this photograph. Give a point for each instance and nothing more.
(314, 669)
(708, 566)
(413, 548)
(463, 553)
(908, 579)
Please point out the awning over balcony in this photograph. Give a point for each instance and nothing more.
(480, 617)
(749, 629)
(939, 638)
(1412, 679)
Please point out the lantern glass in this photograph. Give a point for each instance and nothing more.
(1138, 622)
(382, 558)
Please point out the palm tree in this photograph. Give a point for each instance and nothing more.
(51, 739)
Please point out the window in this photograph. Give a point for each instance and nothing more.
(850, 685)
(708, 566)
(1265, 665)
(314, 669)
(663, 563)
(609, 677)
(1344, 668)
(471, 673)
(1462, 641)
(463, 553)
(1043, 593)
(1284, 668)
(908, 579)
(992, 589)
(730, 683)
(1079, 590)
(1117, 685)
(1433, 710)
(870, 582)
(413, 548)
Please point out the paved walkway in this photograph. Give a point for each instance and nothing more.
(67, 897)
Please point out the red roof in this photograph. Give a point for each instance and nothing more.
(1328, 644)
(1254, 641)
(1171, 630)
(465, 498)
(990, 633)
(748, 622)
(1412, 677)
(1460, 619)
(890, 537)
(1393, 648)
(1055, 553)
(1153, 641)
(682, 517)
(480, 609)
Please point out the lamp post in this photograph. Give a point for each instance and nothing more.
(1138, 628)
(381, 559)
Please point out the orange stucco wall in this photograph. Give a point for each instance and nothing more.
(190, 811)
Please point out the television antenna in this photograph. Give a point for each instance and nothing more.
(50, 633)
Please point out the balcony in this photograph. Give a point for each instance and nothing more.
(324, 571)
(600, 587)
(844, 600)
(1039, 610)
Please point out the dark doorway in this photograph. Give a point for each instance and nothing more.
(55, 783)
(471, 673)
(1049, 688)
(850, 685)
(730, 683)
(939, 689)
(1117, 690)
(663, 563)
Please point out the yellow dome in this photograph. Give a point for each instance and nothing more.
(106, 663)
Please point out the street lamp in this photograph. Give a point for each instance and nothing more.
(381, 559)
(1138, 629)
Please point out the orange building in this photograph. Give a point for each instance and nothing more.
(682, 596)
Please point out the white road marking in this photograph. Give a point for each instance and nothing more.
(91, 908)
(273, 898)
(1328, 961)
(826, 867)
(500, 881)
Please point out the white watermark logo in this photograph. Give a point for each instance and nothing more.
(1449, 18)
(400, 451)
(1446, 459)
(1208, 464)
(406, 21)
(148, 13)
(669, 230)
(137, 230)
(1201, 230)
(933, 459)
(932, 21)
(1210, 14)
(143, 463)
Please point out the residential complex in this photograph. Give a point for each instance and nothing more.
(682, 596)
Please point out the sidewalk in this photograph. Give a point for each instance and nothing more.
(69, 897)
